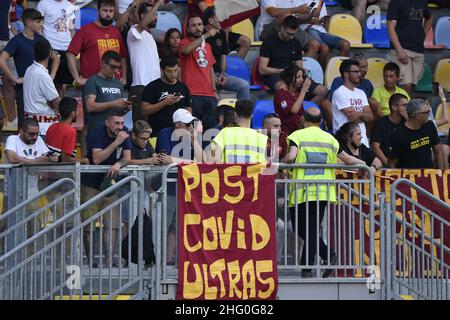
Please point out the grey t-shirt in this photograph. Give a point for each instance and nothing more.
(104, 90)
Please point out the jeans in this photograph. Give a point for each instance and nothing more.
(238, 85)
(203, 109)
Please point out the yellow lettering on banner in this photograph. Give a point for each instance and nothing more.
(190, 173)
(211, 178)
(253, 172)
(210, 292)
(393, 173)
(192, 290)
(446, 186)
(225, 235)
(241, 235)
(190, 219)
(413, 174)
(263, 266)
(234, 274)
(233, 171)
(433, 174)
(216, 269)
(259, 228)
(248, 280)
(210, 224)
(366, 257)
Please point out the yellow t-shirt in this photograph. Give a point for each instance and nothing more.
(382, 96)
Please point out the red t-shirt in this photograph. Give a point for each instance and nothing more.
(13, 12)
(284, 101)
(91, 42)
(61, 137)
(196, 69)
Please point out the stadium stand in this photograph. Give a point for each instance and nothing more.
(429, 41)
(426, 82)
(375, 71)
(377, 36)
(262, 107)
(442, 31)
(442, 73)
(332, 70)
(314, 67)
(346, 26)
(167, 20)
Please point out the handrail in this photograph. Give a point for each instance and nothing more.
(70, 215)
(37, 196)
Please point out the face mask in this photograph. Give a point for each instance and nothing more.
(151, 25)
(105, 22)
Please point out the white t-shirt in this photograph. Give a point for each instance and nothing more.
(58, 20)
(323, 13)
(38, 88)
(144, 57)
(266, 18)
(344, 98)
(123, 5)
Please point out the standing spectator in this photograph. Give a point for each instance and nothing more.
(313, 145)
(7, 89)
(171, 44)
(92, 41)
(220, 51)
(289, 102)
(21, 48)
(108, 144)
(59, 28)
(162, 97)
(197, 71)
(407, 29)
(350, 103)
(39, 92)
(273, 13)
(317, 28)
(385, 127)
(104, 93)
(144, 56)
(415, 139)
(61, 137)
(364, 84)
(379, 102)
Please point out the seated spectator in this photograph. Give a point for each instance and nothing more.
(349, 102)
(61, 137)
(385, 127)
(40, 96)
(349, 137)
(142, 153)
(103, 93)
(379, 102)
(414, 141)
(171, 45)
(317, 28)
(220, 51)
(162, 97)
(289, 103)
(274, 12)
(144, 56)
(359, 7)
(364, 84)
(108, 144)
(197, 71)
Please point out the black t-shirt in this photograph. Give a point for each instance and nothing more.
(412, 148)
(365, 154)
(141, 154)
(382, 132)
(281, 53)
(219, 47)
(156, 91)
(4, 13)
(409, 15)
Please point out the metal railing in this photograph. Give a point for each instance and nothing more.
(41, 272)
(416, 248)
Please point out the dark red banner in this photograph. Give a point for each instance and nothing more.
(226, 232)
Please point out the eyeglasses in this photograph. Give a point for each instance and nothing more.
(113, 67)
(424, 112)
(143, 138)
(33, 134)
(354, 71)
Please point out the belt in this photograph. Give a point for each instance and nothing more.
(46, 118)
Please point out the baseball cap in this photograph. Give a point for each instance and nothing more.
(182, 115)
(227, 102)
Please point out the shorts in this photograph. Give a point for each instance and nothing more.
(63, 75)
(412, 72)
(325, 38)
(233, 39)
(272, 29)
(272, 79)
(110, 218)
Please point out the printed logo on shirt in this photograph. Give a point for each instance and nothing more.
(420, 143)
(29, 152)
(202, 61)
(356, 104)
(61, 24)
(106, 45)
(416, 14)
(166, 93)
(284, 104)
(111, 90)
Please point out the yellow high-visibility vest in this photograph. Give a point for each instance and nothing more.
(317, 147)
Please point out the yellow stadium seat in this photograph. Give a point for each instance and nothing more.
(347, 27)
(332, 70)
(1, 202)
(375, 71)
(153, 142)
(246, 28)
(442, 74)
(445, 127)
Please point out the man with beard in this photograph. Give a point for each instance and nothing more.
(350, 103)
(107, 144)
(92, 41)
(62, 137)
(144, 56)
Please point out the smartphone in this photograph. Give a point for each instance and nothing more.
(131, 98)
(312, 4)
(435, 88)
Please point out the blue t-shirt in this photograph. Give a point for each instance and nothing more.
(4, 12)
(98, 138)
(22, 50)
(366, 86)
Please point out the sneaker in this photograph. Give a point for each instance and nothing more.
(307, 274)
(333, 261)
